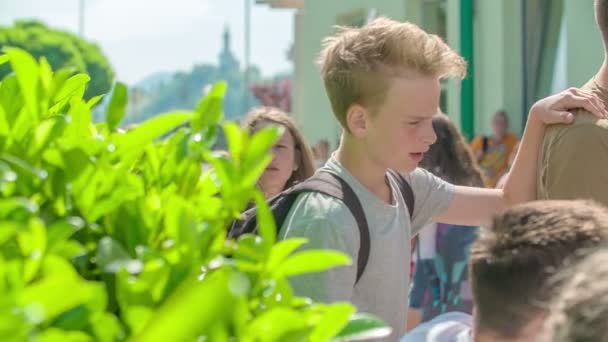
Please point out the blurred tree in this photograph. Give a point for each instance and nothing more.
(61, 49)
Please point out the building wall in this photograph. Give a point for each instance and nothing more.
(584, 49)
(498, 62)
(498, 59)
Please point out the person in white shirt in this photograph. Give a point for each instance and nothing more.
(448, 327)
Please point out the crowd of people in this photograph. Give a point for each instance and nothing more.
(508, 235)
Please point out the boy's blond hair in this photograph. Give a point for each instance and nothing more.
(358, 63)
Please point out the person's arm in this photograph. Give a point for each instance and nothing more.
(476, 206)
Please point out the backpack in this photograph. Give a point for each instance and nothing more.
(328, 184)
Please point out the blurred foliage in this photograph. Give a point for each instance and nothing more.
(108, 235)
(61, 50)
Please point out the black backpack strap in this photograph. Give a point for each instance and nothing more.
(332, 185)
(279, 207)
(406, 191)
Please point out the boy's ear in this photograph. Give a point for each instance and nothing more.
(357, 120)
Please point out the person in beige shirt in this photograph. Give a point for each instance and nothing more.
(573, 159)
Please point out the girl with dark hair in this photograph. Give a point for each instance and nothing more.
(292, 160)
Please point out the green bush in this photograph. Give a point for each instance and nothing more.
(108, 235)
(62, 50)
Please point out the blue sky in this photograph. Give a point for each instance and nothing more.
(141, 37)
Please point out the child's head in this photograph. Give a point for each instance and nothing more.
(292, 159)
(511, 263)
(383, 83)
(451, 158)
(580, 310)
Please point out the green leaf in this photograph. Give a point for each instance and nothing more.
(74, 319)
(112, 257)
(261, 142)
(137, 139)
(236, 139)
(46, 75)
(106, 327)
(117, 107)
(182, 317)
(22, 165)
(331, 322)
(257, 156)
(266, 328)
(209, 110)
(265, 221)
(59, 79)
(33, 246)
(9, 206)
(310, 261)
(46, 132)
(61, 231)
(68, 249)
(281, 251)
(4, 128)
(364, 327)
(94, 101)
(12, 100)
(73, 87)
(59, 291)
(79, 127)
(3, 59)
(137, 317)
(8, 230)
(26, 69)
(56, 335)
(249, 248)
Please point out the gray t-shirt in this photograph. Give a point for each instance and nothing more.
(327, 223)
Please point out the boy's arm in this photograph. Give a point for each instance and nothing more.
(471, 206)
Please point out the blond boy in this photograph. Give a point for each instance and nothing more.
(383, 83)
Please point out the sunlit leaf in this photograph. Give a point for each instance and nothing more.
(310, 261)
(364, 327)
(112, 257)
(333, 320)
(281, 251)
(209, 110)
(265, 326)
(26, 69)
(265, 221)
(72, 87)
(117, 107)
(138, 138)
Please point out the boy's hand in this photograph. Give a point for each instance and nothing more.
(556, 109)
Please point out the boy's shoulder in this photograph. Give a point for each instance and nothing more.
(314, 206)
